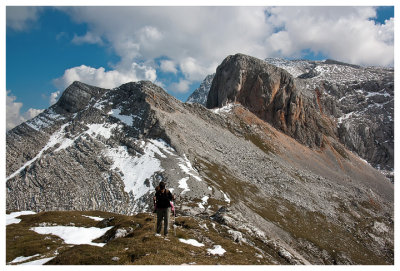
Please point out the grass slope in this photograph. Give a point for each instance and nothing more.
(140, 246)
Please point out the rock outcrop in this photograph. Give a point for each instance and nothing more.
(271, 94)
(359, 99)
(200, 94)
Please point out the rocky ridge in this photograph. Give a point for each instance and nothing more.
(199, 95)
(226, 165)
(271, 94)
(360, 100)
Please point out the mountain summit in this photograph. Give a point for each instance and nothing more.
(352, 103)
(294, 201)
(271, 94)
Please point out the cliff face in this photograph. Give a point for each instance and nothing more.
(271, 94)
(360, 101)
(200, 94)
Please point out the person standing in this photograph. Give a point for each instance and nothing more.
(162, 204)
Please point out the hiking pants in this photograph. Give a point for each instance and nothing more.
(163, 213)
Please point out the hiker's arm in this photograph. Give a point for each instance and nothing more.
(170, 196)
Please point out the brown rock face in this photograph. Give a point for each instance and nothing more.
(271, 94)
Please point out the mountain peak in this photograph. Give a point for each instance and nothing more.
(271, 94)
(77, 96)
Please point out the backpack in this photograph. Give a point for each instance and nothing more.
(163, 199)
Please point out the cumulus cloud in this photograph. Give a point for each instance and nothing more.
(181, 87)
(102, 78)
(89, 37)
(168, 66)
(14, 116)
(196, 39)
(32, 112)
(54, 97)
(21, 18)
(342, 33)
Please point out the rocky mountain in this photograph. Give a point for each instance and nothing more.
(359, 100)
(200, 94)
(106, 150)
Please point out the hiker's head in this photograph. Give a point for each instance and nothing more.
(162, 185)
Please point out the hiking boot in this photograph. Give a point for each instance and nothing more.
(158, 235)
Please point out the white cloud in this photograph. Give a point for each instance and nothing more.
(193, 70)
(102, 78)
(181, 87)
(196, 39)
(342, 33)
(54, 97)
(31, 113)
(21, 18)
(14, 116)
(89, 37)
(168, 66)
(187, 36)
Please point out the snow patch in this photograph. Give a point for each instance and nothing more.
(216, 250)
(226, 197)
(94, 217)
(23, 258)
(162, 145)
(136, 170)
(74, 235)
(12, 218)
(183, 184)
(204, 202)
(225, 109)
(128, 120)
(187, 168)
(39, 262)
(99, 106)
(105, 130)
(204, 226)
(191, 242)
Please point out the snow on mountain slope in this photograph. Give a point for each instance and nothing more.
(94, 146)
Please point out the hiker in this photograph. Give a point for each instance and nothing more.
(162, 204)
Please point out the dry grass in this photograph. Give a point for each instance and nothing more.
(314, 228)
(140, 247)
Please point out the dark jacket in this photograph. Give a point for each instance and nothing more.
(163, 199)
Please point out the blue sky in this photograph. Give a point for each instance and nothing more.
(48, 48)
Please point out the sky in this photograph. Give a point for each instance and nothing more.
(47, 48)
